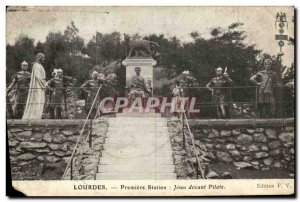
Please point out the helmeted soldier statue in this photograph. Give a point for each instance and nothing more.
(20, 83)
(266, 81)
(58, 86)
(219, 92)
(91, 87)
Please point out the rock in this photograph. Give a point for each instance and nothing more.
(235, 153)
(26, 157)
(32, 145)
(275, 152)
(244, 139)
(59, 139)
(277, 164)
(212, 175)
(247, 158)
(54, 146)
(205, 131)
(274, 144)
(292, 151)
(12, 142)
(250, 131)
(48, 137)
(271, 133)
(259, 137)
(236, 132)
(213, 134)
(209, 146)
(226, 175)
(177, 140)
(289, 129)
(51, 159)
(260, 155)
(55, 132)
(264, 148)
(68, 132)
(225, 133)
(65, 147)
(286, 137)
(24, 134)
(292, 175)
(16, 130)
(44, 150)
(60, 153)
(230, 146)
(265, 169)
(41, 158)
(224, 156)
(268, 161)
(253, 148)
(219, 146)
(240, 165)
(255, 163)
(259, 130)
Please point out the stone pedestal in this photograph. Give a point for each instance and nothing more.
(146, 65)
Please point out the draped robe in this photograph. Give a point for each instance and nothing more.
(36, 95)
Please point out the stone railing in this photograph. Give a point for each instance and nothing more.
(39, 149)
(254, 143)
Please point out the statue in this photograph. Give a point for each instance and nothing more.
(36, 95)
(219, 92)
(91, 87)
(21, 85)
(138, 48)
(138, 86)
(58, 86)
(266, 80)
(181, 86)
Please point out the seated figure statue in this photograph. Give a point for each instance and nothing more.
(138, 86)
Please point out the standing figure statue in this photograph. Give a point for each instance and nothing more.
(266, 80)
(58, 86)
(138, 86)
(21, 85)
(219, 92)
(91, 87)
(182, 87)
(36, 95)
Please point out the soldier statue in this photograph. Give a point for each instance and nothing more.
(58, 85)
(182, 87)
(266, 81)
(219, 91)
(20, 83)
(91, 87)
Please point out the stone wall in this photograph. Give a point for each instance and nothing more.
(249, 143)
(40, 149)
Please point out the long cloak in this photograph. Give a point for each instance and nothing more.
(36, 95)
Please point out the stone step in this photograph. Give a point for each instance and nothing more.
(135, 147)
(121, 139)
(129, 155)
(136, 160)
(140, 168)
(138, 128)
(138, 114)
(135, 176)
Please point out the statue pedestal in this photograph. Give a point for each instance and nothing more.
(146, 65)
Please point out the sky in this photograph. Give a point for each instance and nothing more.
(259, 22)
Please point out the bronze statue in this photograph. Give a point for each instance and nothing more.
(57, 85)
(218, 87)
(266, 80)
(91, 87)
(20, 83)
(138, 86)
(138, 48)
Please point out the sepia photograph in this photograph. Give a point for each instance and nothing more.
(150, 100)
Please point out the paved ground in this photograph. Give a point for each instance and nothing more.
(137, 148)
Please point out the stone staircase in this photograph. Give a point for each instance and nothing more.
(137, 148)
